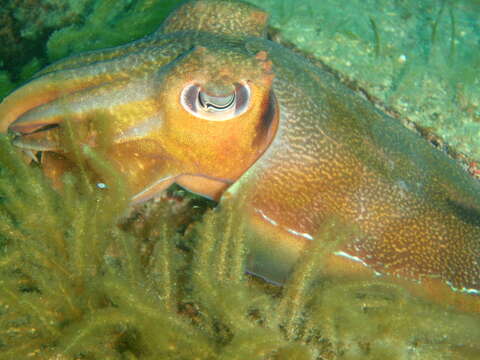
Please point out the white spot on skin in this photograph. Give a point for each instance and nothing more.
(291, 231)
(463, 289)
(362, 211)
(265, 217)
(141, 129)
(402, 185)
(403, 188)
(356, 259)
(305, 235)
(102, 185)
(402, 59)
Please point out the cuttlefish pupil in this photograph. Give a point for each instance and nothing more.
(215, 107)
(215, 103)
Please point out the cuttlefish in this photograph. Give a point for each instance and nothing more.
(209, 103)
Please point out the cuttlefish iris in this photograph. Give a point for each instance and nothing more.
(208, 102)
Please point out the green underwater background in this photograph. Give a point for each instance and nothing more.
(83, 276)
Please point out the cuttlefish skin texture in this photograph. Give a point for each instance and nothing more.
(285, 139)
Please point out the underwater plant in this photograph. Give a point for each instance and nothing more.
(6, 85)
(109, 23)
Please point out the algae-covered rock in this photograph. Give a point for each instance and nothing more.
(26, 25)
(110, 23)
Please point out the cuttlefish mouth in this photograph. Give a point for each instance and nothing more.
(196, 121)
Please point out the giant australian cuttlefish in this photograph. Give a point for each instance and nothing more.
(209, 103)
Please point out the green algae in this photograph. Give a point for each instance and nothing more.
(29, 69)
(6, 85)
(110, 23)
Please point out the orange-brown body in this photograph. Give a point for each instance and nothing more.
(207, 101)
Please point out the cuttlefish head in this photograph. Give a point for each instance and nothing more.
(201, 120)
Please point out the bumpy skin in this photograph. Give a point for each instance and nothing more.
(305, 150)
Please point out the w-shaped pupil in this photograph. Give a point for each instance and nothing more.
(216, 103)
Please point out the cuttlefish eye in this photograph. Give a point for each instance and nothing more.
(198, 102)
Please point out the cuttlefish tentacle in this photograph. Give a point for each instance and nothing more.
(209, 103)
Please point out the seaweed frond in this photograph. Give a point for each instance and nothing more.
(376, 36)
